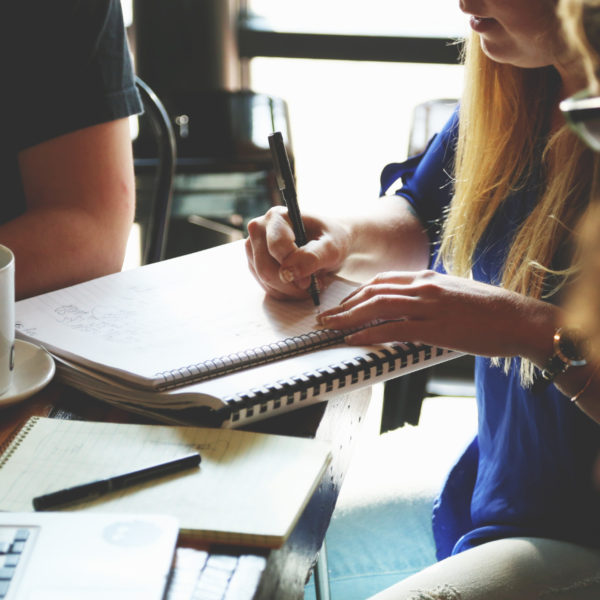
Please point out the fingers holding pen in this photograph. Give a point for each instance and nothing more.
(301, 264)
(278, 234)
(283, 268)
(325, 252)
(268, 243)
(269, 290)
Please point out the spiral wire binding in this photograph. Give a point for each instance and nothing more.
(285, 390)
(217, 367)
(9, 447)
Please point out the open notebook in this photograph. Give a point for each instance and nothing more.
(198, 331)
(250, 488)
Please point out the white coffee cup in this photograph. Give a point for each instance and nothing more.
(7, 318)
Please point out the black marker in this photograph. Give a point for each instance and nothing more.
(285, 181)
(90, 491)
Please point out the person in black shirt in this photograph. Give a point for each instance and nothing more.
(66, 170)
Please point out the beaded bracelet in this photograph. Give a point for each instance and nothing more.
(574, 398)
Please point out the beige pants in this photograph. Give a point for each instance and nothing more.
(509, 569)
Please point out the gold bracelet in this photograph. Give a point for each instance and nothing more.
(574, 398)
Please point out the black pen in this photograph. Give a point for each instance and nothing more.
(90, 491)
(285, 181)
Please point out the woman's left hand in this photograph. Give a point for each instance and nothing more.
(451, 312)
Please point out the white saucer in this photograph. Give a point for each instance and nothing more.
(34, 368)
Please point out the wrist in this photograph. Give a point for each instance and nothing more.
(536, 343)
(571, 349)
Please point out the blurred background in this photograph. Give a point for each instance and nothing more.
(352, 117)
(340, 78)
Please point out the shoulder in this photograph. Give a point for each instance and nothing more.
(69, 68)
(34, 23)
(431, 169)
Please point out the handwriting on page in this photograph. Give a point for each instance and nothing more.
(131, 327)
(170, 315)
(102, 317)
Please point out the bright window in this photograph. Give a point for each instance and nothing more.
(420, 18)
(349, 119)
(127, 6)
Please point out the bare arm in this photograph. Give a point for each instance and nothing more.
(390, 238)
(80, 196)
(464, 315)
(485, 320)
(387, 236)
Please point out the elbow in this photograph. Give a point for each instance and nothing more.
(108, 247)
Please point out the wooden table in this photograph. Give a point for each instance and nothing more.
(337, 421)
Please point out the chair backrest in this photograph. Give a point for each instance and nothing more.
(428, 119)
(404, 396)
(156, 235)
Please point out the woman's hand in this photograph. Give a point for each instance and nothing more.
(451, 312)
(280, 267)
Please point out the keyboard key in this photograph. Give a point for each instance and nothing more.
(22, 535)
(4, 547)
(245, 579)
(189, 559)
(222, 562)
(6, 573)
(11, 560)
(17, 548)
(3, 588)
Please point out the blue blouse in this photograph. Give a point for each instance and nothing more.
(529, 470)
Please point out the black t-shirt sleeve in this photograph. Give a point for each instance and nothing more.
(69, 67)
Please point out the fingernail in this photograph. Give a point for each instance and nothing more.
(325, 320)
(287, 275)
(349, 339)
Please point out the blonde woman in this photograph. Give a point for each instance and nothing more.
(495, 197)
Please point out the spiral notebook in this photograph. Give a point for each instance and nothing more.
(250, 488)
(198, 331)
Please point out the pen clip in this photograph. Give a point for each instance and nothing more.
(278, 174)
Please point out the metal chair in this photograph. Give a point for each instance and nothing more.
(155, 241)
(403, 396)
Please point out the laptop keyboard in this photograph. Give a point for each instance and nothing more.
(12, 545)
(197, 575)
(200, 576)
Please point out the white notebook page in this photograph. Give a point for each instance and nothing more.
(167, 316)
(247, 483)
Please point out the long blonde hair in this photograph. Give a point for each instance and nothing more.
(504, 119)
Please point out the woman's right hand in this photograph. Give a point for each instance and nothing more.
(280, 267)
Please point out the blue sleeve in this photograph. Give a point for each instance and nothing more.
(427, 178)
